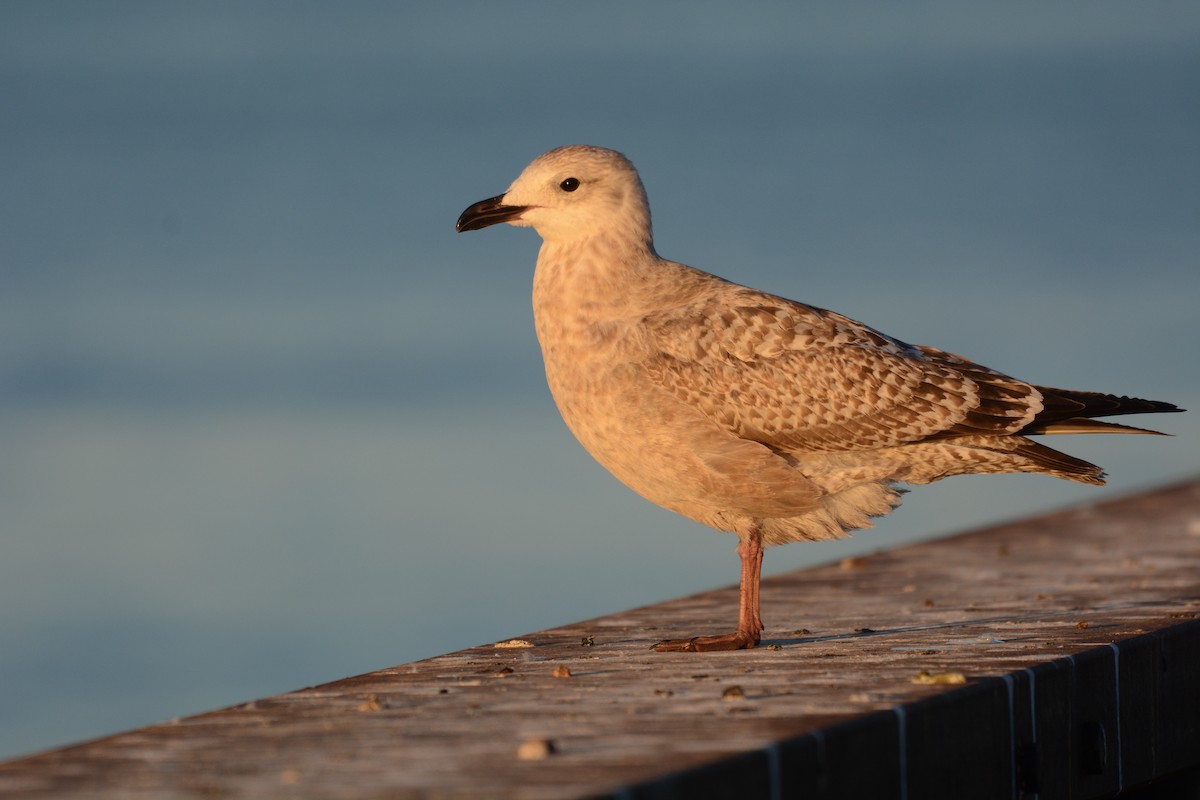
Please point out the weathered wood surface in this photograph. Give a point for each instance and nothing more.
(1077, 633)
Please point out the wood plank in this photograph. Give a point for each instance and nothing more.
(1077, 633)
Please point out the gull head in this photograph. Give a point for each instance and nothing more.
(570, 194)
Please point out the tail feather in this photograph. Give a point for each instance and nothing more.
(1055, 462)
(1069, 411)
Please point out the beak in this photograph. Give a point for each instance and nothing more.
(487, 212)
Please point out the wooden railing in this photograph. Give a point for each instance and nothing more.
(1054, 657)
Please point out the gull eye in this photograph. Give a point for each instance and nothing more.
(569, 185)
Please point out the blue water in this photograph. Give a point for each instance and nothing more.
(267, 421)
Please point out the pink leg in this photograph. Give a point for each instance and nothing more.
(750, 625)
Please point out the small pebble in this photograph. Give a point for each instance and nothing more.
(536, 749)
(733, 693)
(562, 671)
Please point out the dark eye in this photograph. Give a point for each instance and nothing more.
(569, 185)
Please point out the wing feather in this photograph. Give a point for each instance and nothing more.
(801, 379)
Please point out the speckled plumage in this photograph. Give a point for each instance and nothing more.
(742, 410)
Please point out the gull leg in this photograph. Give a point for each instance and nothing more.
(750, 550)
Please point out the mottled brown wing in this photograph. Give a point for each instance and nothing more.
(1005, 406)
(802, 379)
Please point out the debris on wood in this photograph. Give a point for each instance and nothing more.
(931, 678)
(733, 693)
(536, 749)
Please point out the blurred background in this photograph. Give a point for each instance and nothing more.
(267, 421)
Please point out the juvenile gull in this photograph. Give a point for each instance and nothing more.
(748, 412)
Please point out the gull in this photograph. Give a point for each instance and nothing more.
(747, 412)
